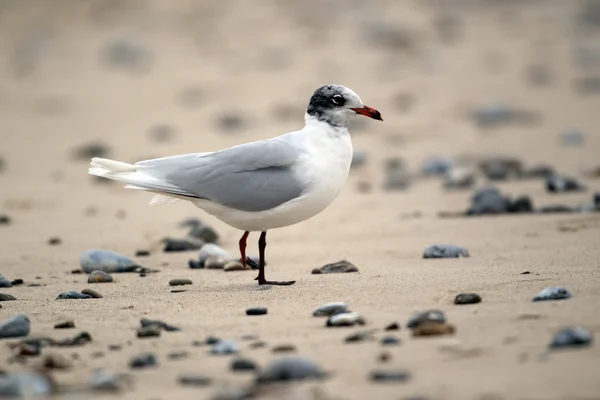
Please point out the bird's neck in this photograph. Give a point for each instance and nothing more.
(326, 125)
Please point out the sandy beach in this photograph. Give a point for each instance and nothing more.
(150, 79)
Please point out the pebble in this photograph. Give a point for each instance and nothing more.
(336, 268)
(199, 230)
(65, 325)
(178, 355)
(555, 209)
(126, 53)
(258, 345)
(26, 384)
(4, 219)
(390, 341)
(572, 137)
(445, 251)
(212, 340)
(142, 253)
(574, 336)
(4, 283)
(467, 298)
(143, 360)
(346, 319)
(359, 336)
(180, 282)
(432, 315)
(394, 326)
(160, 324)
(148, 331)
(99, 277)
(231, 122)
(17, 326)
(235, 265)
(553, 293)
(256, 311)
(78, 340)
(25, 349)
(212, 250)
(195, 264)
(107, 261)
(243, 364)
(56, 361)
(54, 241)
(184, 244)
(433, 329)
(225, 347)
(384, 357)
(73, 295)
(6, 297)
(161, 132)
(488, 201)
(329, 309)
(92, 293)
(290, 369)
(501, 168)
(215, 262)
(105, 381)
(90, 150)
(16, 282)
(557, 184)
(459, 178)
(436, 166)
(115, 347)
(537, 172)
(194, 380)
(389, 376)
(284, 348)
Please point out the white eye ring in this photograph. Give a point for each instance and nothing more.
(337, 99)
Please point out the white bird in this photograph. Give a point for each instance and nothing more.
(260, 185)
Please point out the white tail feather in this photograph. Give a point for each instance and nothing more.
(109, 166)
(162, 199)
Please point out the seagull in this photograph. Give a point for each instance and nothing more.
(260, 185)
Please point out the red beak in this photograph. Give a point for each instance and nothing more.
(368, 112)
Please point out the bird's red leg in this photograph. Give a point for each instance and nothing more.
(243, 247)
(262, 244)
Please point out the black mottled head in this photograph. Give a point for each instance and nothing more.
(336, 104)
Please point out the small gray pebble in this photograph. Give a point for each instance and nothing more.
(390, 341)
(105, 381)
(256, 311)
(148, 331)
(426, 316)
(194, 264)
(25, 384)
(290, 369)
(225, 347)
(72, 295)
(488, 200)
(389, 376)
(184, 244)
(574, 336)
(144, 360)
(436, 166)
(178, 355)
(78, 340)
(445, 251)
(92, 293)
(572, 137)
(345, 319)
(359, 336)
(194, 380)
(553, 293)
(4, 283)
(338, 267)
(180, 282)
(16, 326)
(159, 323)
(100, 277)
(557, 183)
(6, 297)
(65, 325)
(107, 261)
(394, 326)
(329, 309)
(199, 230)
(467, 298)
(243, 364)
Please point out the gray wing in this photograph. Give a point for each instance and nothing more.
(251, 177)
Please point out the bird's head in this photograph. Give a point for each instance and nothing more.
(336, 105)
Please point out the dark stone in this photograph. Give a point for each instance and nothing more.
(426, 316)
(256, 311)
(570, 337)
(4, 219)
(78, 340)
(500, 114)
(178, 355)
(180, 282)
(160, 324)
(501, 168)
(194, 380)
(126, 53)
(178, 291)
(54, 241)
(553, 293)
(336, 267)
(389, 376)
(24, 349)
(17, 282)
(397, 176)
(394, 326)
(90, 150)
(5, 283)
(56, 361)
(290, 369)
(258, 345)
(195, 264)
(148, 331)
(100, 277)
(212, 340)
(73, 295)
(467, 298)
(522, 204)
(488, 201)
(92, 293)
(557, 184)
(555, 209)
(359, 336)
(143, 360)
(284, 348)
(436, 166)
(115, 347)
(184, 244)
(445, 251)
(390, 341)
(65, 325)
(142, 253)
(17, 326)
(525, 273)
(6, 297)
(199, 230)
(243, 364)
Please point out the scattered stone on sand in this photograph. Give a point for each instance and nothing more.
(87, 151)
(432, 315)
(200, 230)
(4, 219)
(225, 346)
(283, 348)
(177, 355)
(459, 178)
(195, 264)
(557, 183)
(190, 379)
(384, 357)
(390, 340)
(160, 324)
(73, 295)
(212, 340)
(105, 381)
(501, 168)
(180, 282)
(26, 384)
(329, 309)
(389, 376)
(494, 115)
(258, 345)
(56, 361)
(172, 245)
(99, 277)
(489, 200)
(215, 262)
(126, 53)
(17, 282)
(256, 311)
(4, 283)
(555, 209)
(115, 347)
(397, 176)
(436, 166)
(290, 369)
(54, 241)
(467, 298)
(143, 360)
(243, 364)
(213, 251)
(572, 138)
(7, 297)
(142, 253)
(161, 132)
(235, 265)
(148, 331)
(231, 122)
(445, 251)
(393, 326)
(28, 349)
(359, 158)
(342, 266)
(107, 261)
(359, 336)
(537, 172)
(433, 329)
(16, 326)
(65, 325)
(78, 340)
(574, 336)
(345, 319)
(553, 293)
(90, 292)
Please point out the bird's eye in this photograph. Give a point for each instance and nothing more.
(338, 100)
